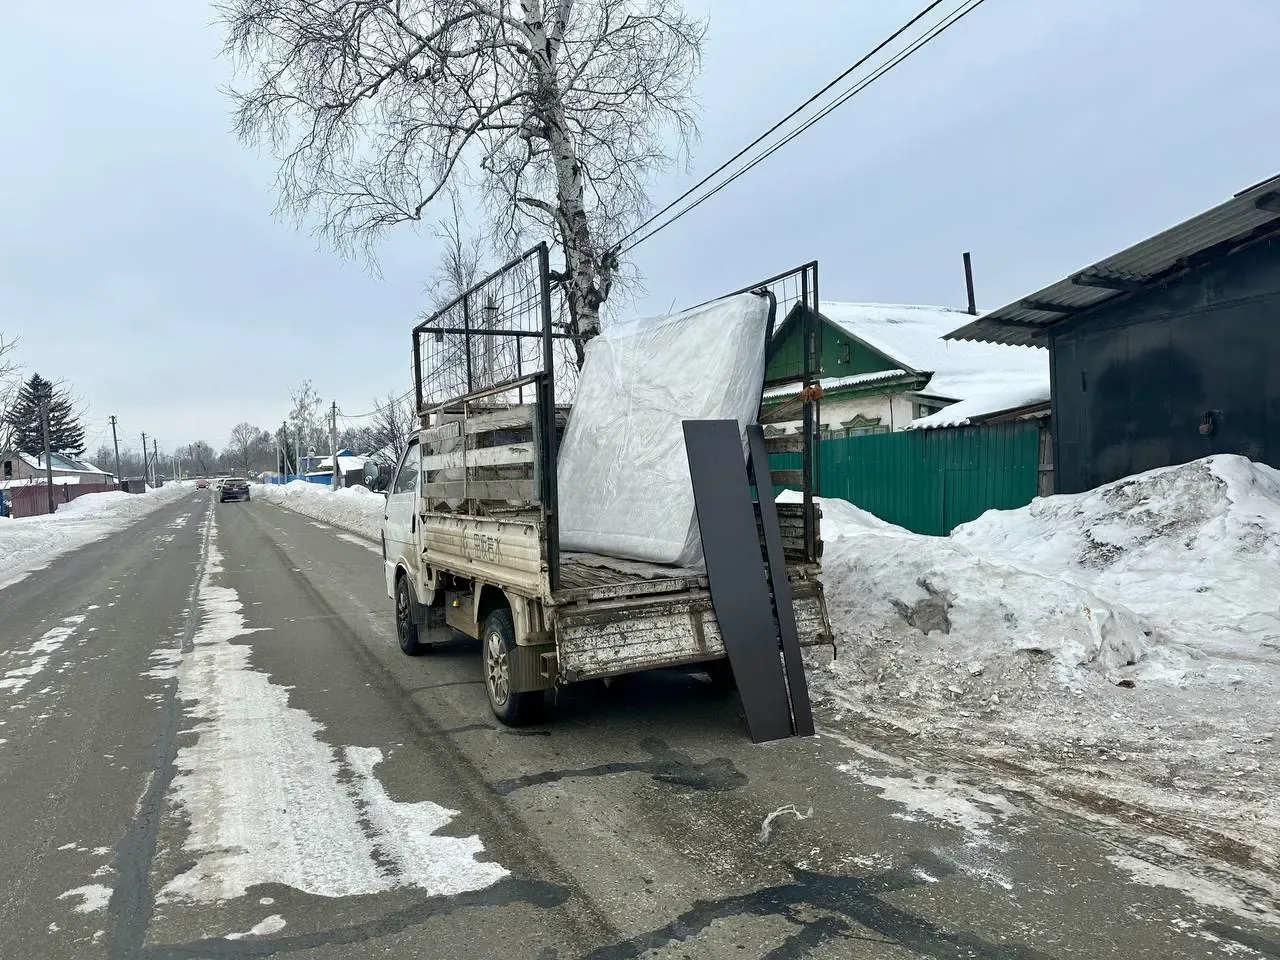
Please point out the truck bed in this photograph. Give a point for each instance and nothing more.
(585, 577)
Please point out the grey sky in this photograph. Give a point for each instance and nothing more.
(141, 260)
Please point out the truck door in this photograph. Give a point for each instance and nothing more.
(400, 519)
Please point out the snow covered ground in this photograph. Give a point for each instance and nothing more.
(1118, 645)
(30, 543)
(357, 509)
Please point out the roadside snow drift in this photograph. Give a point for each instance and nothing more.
(1194, 548)
(1128, 637)
(30, 543)
(357, 509)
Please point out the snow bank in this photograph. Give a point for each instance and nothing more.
(30, 543)
(1195, 548)
(357, 509)
(1124, 641)
(950, 603)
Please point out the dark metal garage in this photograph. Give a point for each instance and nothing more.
(1166, 352)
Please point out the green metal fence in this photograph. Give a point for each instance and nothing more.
(931, 481)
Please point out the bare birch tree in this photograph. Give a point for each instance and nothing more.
(304, 419)
(557, 112)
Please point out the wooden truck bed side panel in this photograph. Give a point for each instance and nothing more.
(509, 553)
(614, 637)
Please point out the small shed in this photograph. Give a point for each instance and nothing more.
(1165, 352)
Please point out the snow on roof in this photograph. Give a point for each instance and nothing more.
(60, 462)
(995, 398)
(59, 480)
(345, 464)
(911, 336)
(834, 383)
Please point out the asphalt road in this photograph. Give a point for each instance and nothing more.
(210, 746)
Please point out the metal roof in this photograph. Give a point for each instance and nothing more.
(1251, 214)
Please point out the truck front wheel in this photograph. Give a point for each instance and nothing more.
(408, 632)
(498, 642)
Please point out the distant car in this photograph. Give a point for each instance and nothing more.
(202, 484)
(233, 488)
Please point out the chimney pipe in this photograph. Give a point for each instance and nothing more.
(968, 283)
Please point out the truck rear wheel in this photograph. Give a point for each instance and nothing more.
(408, 632)
(497, 642)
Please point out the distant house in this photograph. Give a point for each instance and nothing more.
(320, 469)
(885, 366)
(19, 469)
(1165, 352)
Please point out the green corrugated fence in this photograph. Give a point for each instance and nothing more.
(931, 481)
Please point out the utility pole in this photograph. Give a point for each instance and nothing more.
(145, 458)
(115, 442)
(284, 445)
(155, 463)
(333, 443)
(48, 458)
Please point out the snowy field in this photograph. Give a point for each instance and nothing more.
(357, 509)
(1118, 645)
(30, 543)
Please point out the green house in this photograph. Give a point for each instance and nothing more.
(886, 365)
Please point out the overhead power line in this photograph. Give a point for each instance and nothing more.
(764, 136)
(361, 416)
(967, 7)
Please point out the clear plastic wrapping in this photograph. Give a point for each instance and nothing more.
(623, 475)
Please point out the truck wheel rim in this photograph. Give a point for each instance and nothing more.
(497, 671)
(402, 612)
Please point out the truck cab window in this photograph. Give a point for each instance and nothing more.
(407, 475)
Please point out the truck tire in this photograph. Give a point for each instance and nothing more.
(721, 676)
(408, 632)
(497, 640)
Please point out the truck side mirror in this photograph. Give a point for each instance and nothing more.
(371, 473)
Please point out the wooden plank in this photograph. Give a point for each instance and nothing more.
(788, 478)
(797, 685)
(791, 443)
(482, 457)
(446, 431)
(513, 417)
(739, 591)
(521, 490)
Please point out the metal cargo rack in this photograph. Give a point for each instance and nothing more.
(489, 365)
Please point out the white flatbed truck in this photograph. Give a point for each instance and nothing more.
(470, 540)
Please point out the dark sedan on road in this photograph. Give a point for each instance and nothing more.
(233, 488)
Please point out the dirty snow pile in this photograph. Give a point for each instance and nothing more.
(357, 509)
(1137, 623)
(30, 543)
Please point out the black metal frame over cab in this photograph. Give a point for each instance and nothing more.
(485, 382)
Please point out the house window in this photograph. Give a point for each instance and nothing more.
(860, 426)
(846, 352)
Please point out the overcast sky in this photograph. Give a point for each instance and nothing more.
(141, 260)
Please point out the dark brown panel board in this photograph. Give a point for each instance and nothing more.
(736, 573)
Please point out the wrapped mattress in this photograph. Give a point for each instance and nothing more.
(623, 475)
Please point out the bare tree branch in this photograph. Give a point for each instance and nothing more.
(557, 114)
